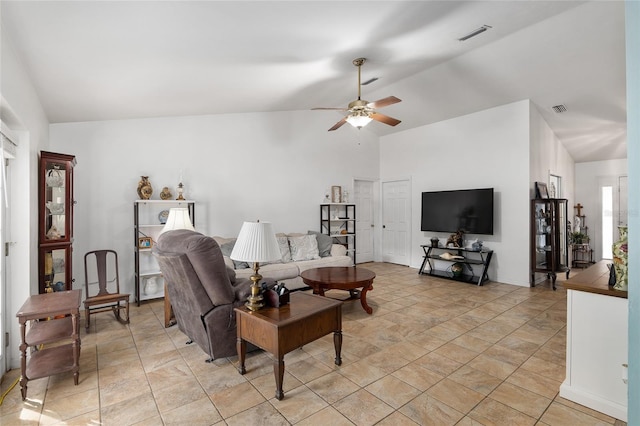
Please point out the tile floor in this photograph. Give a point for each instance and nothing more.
(434, 352)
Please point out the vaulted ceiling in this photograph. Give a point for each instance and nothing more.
(104, 60)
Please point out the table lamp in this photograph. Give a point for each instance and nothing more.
(178, 219)
(256, 243)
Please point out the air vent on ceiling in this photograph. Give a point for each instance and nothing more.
(559, 108)
(475, 32)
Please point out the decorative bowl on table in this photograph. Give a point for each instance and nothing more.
(456, 269)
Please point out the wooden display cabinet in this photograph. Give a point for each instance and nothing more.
(549, 238)
(55, 221)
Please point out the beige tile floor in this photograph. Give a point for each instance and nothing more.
(434, 352)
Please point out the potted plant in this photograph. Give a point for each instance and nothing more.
(579, 238)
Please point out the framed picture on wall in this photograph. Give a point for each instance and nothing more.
(541, 190)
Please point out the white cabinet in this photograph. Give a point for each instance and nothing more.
(149, 217)
(597, 343)
(339, 221)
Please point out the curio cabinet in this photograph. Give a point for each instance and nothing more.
(549, 238)
(55, 221)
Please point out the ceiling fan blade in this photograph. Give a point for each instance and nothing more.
(338, 124)
(332, 109)
(384, 102)
(384, 119)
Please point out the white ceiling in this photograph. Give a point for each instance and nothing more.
(104, 60)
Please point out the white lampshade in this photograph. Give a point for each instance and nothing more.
(178, 219)
(256, 243)
(359, 119)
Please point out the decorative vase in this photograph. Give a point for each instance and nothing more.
(165, 194)
(151, 286)
(620, 258)
(144, 188)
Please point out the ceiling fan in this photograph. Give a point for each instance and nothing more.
(361, 112)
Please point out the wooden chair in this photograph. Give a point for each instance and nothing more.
(105, 301)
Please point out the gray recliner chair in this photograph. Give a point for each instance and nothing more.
(202, 290)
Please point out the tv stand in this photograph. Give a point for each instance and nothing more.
(466, 257)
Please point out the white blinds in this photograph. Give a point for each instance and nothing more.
(8, 141)
(8, 144)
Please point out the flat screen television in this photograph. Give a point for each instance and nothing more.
(470, 210)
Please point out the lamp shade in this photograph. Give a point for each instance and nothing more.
(256, 243)
(178, 219)
(358, 119)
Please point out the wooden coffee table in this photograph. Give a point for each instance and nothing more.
(280, 330)
(341, 278)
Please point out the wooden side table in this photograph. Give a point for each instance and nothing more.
(280, 330)
(54, 318)
(342, 278)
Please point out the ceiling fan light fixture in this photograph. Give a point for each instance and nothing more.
(359, 119)
(362, 112)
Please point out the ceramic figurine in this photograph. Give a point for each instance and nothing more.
(456, 240)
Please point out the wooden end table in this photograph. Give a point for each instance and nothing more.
(341, 278)
(54, 319)
(281, 330)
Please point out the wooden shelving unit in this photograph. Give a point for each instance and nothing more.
(338, 220)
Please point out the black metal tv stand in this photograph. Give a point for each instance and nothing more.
(466, 257)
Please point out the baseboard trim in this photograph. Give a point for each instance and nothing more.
(594, 402)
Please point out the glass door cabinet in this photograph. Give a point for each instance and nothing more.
(549, 238)
(55, 212)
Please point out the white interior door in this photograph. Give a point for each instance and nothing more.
(363, 198)
(396, 222)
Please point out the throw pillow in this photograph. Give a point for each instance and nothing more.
(227, 248)
(304, 247)
(324, 243)
(283, 243)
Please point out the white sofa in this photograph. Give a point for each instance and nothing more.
(298, 255)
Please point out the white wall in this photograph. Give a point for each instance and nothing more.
(548, 156)
(270, 166)
(489, 148)
(22, 111)
(589, 177)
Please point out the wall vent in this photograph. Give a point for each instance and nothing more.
(475, 32)
(559, 108)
